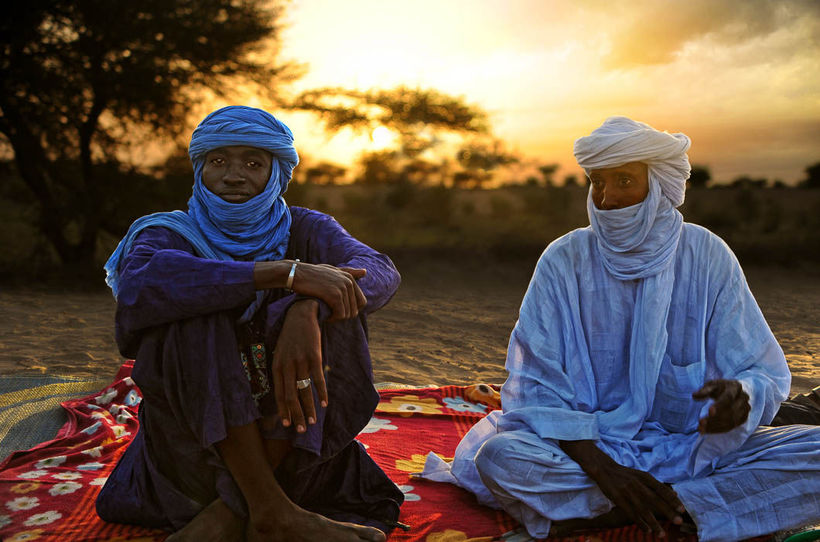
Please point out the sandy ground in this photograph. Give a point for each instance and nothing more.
(447, 325)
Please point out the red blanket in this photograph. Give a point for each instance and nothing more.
(48, 492)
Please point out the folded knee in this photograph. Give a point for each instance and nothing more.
(494, 455)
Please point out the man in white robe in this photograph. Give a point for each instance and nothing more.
(642, 374)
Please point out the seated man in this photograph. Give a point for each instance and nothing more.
(247, 322)
(642, 374)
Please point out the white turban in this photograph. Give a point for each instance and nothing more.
(620, 140)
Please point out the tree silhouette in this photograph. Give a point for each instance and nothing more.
(699, 177)
(419, 116)
(379, 167)
(547, 173)
(812, 179)
(746, 182)
(571, 180)
(81, 77)
(323, 173)
(479, 159)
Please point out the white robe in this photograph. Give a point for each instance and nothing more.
(568, 363)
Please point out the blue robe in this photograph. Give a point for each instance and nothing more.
(177, 316)
(569, 372)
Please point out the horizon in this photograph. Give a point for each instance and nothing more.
(550, 72)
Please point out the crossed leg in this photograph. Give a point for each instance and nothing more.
(273, 516)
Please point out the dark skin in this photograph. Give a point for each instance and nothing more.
(730, 408)
(298, 353)
(637, 496)
(237, 174)
(620, 186)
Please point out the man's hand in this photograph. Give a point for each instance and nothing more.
(336, 286)
(297, 356)
(641, 496)
(730, 409)
(638, 494)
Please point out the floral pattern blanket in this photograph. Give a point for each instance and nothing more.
(47, 493)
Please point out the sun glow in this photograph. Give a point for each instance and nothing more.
(382, 137)
(729, 74)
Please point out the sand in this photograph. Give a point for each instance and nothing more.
(447, 325)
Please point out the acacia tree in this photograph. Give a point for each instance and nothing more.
(479, 159)
(419, 116)
(78, 76)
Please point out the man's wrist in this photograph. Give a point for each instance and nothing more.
(305, 307)
(268, 275)
(588, 456)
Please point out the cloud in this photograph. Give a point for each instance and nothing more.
(655, 32)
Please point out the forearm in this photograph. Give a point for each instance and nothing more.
(590, 458)
(303, 308)
(268, 275)
(169, 285)
(318, 238)
(381, 282)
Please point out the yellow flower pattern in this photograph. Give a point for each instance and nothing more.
(24, 487)
(415, 463)
(451, 535)
(33, 534)
(407, 405)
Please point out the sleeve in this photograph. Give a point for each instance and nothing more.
(163, 281)
(540, 393)
(318, 238)
(740, 346)
(326, 241)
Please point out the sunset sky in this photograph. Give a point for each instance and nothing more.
(740, 77)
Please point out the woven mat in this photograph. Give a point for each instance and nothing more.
(30, 410)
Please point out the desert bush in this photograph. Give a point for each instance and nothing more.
(510, 223)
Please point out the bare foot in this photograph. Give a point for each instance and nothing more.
(215, 523)
(307, 527)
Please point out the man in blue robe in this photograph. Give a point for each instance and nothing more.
(642, 374)
(246, 319)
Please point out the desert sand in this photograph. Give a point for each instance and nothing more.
(448, 324)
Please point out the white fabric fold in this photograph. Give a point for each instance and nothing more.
(620, 140)
(621, 322)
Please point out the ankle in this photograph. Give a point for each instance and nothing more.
(271, 517)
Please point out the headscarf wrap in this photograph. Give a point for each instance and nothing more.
(620, 140)
(256, 230)
(639, 242)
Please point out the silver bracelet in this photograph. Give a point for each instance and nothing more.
(291, 275)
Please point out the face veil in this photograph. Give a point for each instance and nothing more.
(256, 230)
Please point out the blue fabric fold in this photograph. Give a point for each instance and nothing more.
(256, 230)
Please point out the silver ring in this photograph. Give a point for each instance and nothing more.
(303, 384)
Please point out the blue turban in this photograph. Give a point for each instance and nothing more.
(257, 229)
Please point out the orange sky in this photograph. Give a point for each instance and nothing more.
(740, 77)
